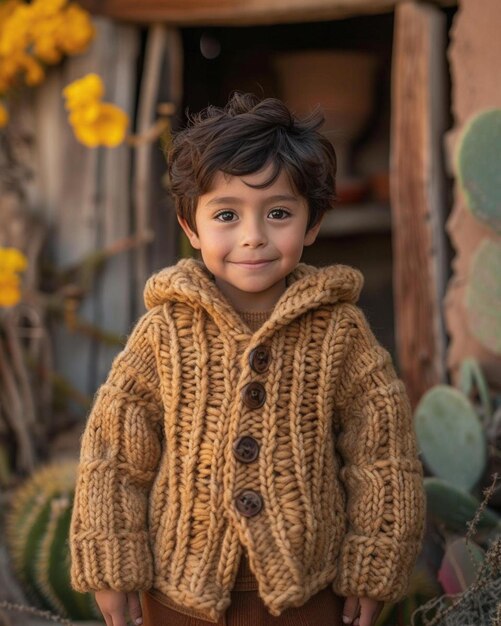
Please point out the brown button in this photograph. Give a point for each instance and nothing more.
(249, 503)
(246, 449)
(259, 359)
(253, 395)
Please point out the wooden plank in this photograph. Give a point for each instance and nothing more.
(417, 195)
(474, 55)
(165, 246)
(236, 12)
(114, 292)
(66, 175)
(147, 113)
(83, 196)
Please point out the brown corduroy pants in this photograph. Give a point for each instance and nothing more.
(247, 608)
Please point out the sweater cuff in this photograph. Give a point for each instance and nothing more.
(121, 562)
(375, 567)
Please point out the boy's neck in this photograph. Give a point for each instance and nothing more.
(249, 301)
(255, 319)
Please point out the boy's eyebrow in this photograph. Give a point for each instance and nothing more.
(234, 200)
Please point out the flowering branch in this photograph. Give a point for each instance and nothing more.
(35, 35)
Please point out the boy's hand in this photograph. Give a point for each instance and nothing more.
(115, 605)
(361, 611)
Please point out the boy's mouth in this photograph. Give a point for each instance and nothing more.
(253, 264)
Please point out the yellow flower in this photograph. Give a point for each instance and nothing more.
(82, 92)
(44, 38)
(75, 30)
(16, 31)
(47, 8)
(4, 116)
(39, 32)
(12, 261)
(94, 122)
(108, 129)
(16, 64)
(85, 114)
(112, 125)
(6, 9)
(9, 69)
(34, 71)
(46, 50)
(4, 83)
(10, 293)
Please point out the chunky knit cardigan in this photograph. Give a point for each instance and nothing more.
(337, 471)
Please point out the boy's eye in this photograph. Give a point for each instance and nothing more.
(225, 216)
(279, 214)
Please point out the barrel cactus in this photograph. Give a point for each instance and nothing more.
(37, 525)
(478, 168)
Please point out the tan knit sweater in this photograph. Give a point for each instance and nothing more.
(334, 493)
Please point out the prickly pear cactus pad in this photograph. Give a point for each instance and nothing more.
(483, 295)
(451, 437)
(455, 508)
(479, 169)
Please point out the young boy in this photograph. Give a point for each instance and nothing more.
(251, 457)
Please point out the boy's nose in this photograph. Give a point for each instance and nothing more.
(253, 236)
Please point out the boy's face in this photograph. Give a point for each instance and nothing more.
(251, 239)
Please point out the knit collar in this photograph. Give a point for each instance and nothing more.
(308, 287)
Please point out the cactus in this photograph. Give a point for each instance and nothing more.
(460, 565)
(478, 168)
(449, 431)
(483, 295)
(37, 525)
(454, 508)
(471, 380)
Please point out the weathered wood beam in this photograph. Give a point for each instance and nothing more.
(236, 12)
(84, 196)
(114, 289)
(156, 44)
(417, 196)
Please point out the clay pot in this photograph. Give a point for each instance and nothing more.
(380, 186)
(351, 190)
(341, 82)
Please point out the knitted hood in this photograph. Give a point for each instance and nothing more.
(308, 287)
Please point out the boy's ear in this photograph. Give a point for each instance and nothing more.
(191, 234)
(311, 233)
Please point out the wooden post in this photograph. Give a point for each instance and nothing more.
(417, 197)
(115, 291)
(166, 246)
(163, 59)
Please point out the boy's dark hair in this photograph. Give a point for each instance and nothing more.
(241, 139)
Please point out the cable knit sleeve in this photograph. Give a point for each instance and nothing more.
(119, 453)
(381, 472)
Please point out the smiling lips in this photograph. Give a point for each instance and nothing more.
(253, 264)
